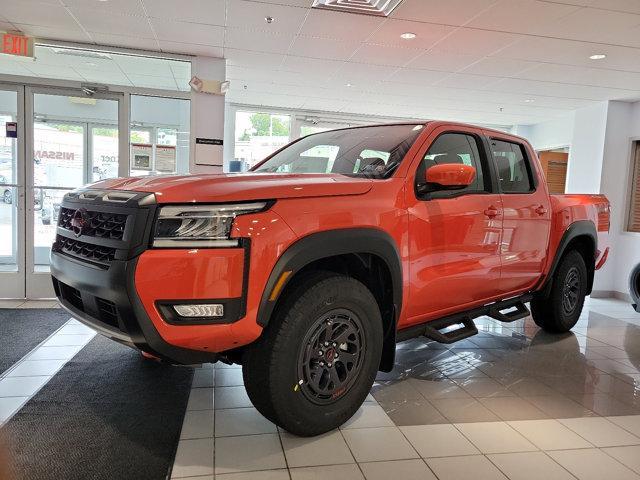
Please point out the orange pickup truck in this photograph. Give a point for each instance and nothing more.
(308, 269)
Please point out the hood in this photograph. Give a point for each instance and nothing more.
(239, 187)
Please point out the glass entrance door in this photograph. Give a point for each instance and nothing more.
(12, 277)
(74, 141)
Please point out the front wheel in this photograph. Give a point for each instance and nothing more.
(316, 361)
(560, 309)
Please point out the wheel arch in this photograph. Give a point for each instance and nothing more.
(582, 237)
(368, 254)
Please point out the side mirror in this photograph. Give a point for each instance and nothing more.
(450, 176)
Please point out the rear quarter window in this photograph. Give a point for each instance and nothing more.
(513, 165)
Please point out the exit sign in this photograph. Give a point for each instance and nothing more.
(14, 44)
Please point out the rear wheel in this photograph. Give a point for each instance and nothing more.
(559, 310)
(316, 361)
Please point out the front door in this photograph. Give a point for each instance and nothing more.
(454, 236)
(72, 140)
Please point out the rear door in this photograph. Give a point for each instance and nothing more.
(454, 236)
(526, 213)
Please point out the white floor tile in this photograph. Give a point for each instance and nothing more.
(53, 353)
(10, 405)
(529, 466)
(193, 457)
(21, 386)
(438, 441)
(601, 432)
(369, 415)
(378, 444)
(495, 437)
(281, 474)
(197, 424)
(32, 368)
(550, 435)
(242, 421)
(592, 464)
(397, 469)
(200, 399)
(248, 453)
(332, 472)
(303, 452)
(476, 467)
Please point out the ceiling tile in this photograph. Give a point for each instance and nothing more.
(417, 76)
(447, 62)
(314, 47)
(70, 34)
(471, 41)
(319, 69)
(463, 80)
(211, 12)
(38, 13)
(532, 87)
(143, 65)
(257, 41)
(111, 7)
(152, 82)
(251, 16)
(631, 6)
(113, 24)
(170, 31)
(521, 16)
(383, 55)
(499, 66)
(427, 34)
(359, 74)
(583, 76)
(450, 12)
(192, 49)
(245, 58)
(340, 25)
(125, 41)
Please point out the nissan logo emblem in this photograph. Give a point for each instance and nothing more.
(79, 221)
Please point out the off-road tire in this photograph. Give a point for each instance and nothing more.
(558, 310)
(274, 364)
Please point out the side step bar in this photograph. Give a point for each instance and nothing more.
(433, 328)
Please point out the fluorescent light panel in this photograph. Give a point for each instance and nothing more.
(382, 8)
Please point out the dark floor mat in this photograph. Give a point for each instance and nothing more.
(22, 329)
(108, 414)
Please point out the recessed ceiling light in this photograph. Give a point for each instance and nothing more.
(598, 56)
(529, 100)
(381, 8)
(349, 85)
(408, 36)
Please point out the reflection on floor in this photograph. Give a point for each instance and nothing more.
(512, 402)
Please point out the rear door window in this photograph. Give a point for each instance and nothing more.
(514, 170)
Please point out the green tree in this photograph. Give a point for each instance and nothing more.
(265, 124)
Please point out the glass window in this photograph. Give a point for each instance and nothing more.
(8, 164)
(159, 135)
(372, 152)
(258, 135)
(454, 148)
(104, 152)
(513, 170)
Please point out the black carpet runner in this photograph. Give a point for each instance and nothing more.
(107, 414)
(21, 330)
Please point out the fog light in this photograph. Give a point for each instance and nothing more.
(200, 310)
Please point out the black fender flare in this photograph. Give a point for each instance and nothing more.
(317, 246)
(580, 228)
(634, 287)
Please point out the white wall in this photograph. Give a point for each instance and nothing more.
(623, 127)
(587, 147)
(548, 135)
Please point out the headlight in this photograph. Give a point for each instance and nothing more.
(198, 226)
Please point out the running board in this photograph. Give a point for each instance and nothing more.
(433, 328)
(521, 311)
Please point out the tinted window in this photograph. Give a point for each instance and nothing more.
(372, 152)
(454, 148)
(513, 169)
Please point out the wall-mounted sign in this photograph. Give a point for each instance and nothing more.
(209, 152)
(141, 154)
(165, 158)
(11, 129)
(15, 44)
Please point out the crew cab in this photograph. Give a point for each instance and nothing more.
(309, 268)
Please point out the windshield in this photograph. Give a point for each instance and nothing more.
(372, 152)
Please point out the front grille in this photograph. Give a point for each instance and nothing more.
(98, 224)
(95, 254)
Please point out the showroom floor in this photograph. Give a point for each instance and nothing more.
(510, 402)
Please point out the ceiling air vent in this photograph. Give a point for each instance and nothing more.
(381, 8)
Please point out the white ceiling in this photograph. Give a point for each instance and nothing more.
(488, 61)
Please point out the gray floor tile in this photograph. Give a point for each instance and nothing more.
(229, 377)
(463, 410)
(495, 437)
(281, 474)
(484, 387)
(327, 449)
(592, 464)
(203, 378)
(200, 399)
(413, 412)
(476, 467)
(369, 415)
(193, 457)
(197, 424)
(231, 397)
(628, 456)
(331, 472)
(559, 406)
(601, 432)
(378, 444)
(550, 435)
(242, 421)
(400, 391)
(630, 423)
(439, 389)
(438, 441)
(398, 469)
(529, 466)
(248, 453)
(513, 408)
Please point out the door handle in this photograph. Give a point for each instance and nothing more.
(491, 212)
(540, 210)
